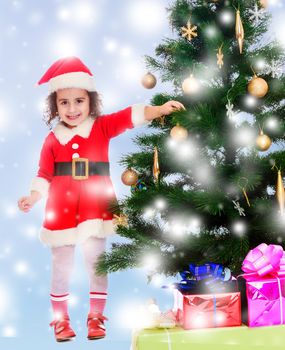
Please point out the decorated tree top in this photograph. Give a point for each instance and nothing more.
(207, 176)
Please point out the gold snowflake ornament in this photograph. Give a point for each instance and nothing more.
(189, 32)
(162, 120)
(220, 57)
(120, 220)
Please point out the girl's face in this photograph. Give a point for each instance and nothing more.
(72, 106)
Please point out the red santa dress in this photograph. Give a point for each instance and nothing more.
(77, 209)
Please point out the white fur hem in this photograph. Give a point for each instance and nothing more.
(138, 118)
(79, 80)
(77, 235)
(40, 185)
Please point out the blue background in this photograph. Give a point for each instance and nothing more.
(111, 37)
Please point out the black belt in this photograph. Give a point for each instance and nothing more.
(81, 168)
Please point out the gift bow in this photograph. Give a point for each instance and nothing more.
(264, 260)
(209, 275)
(208, 270)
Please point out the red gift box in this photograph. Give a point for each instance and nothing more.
(207, 310)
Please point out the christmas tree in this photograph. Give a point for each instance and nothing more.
(209, 178)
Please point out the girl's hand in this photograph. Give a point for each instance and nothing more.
(26, 203)
(170, 107)
(152, 112)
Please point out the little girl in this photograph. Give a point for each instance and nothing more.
(74, 176)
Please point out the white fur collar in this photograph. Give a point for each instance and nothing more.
(65, 134)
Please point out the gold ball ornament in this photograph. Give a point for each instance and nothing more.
(257, 87)
(149, 81)
(178, 133)
(191, 85)
(263, 142)
(129, 177)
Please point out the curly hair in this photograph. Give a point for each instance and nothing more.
(50, 111)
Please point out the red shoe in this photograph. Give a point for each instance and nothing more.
(62, 329)
(95, 324)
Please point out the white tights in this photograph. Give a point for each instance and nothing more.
(62, 266)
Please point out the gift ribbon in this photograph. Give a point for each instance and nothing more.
(215, 310)
(266, 260)
(168, 339)
(281, 301)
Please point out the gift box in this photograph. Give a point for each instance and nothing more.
(265, 301)
(206, 297)
(237, 338)
(265, 286)
(207, 310)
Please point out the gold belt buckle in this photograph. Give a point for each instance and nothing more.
(80, 177)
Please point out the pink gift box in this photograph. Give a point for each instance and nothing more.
(266, 300)
(207, 310)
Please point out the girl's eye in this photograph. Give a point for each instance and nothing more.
(63, 103)
(79, 101)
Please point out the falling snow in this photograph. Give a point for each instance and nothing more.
(112, 38)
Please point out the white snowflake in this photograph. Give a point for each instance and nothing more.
(275, 68)
(239, 208)
(230, 110)
(256, 14)
(212, 7)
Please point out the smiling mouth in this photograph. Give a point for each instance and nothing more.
(73, 117)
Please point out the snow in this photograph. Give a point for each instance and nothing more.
(112, 38)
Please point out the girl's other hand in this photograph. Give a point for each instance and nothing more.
(25, 203)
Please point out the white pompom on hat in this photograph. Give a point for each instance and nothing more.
(69, 72)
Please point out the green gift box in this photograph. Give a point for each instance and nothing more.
(234, 338)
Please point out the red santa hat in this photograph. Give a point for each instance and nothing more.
(69, 72)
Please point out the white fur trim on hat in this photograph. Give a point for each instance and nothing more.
(138, 117)
(40, 185)
(90, 228)
(79, 80)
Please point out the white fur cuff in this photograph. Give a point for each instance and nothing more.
(138, 118)
(40, 185)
